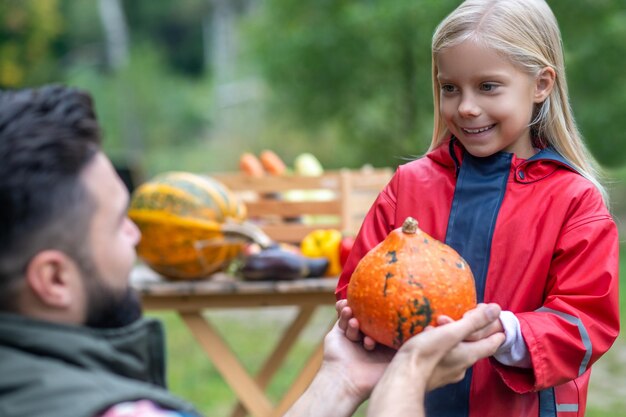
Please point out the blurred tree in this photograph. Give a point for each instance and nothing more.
(354, 73)
(594, 34)
(116, 32)
(144, 105)
(364, 67)
(196, 36)
(222, 37)
(29, 30)
(148, 106)
(174, 28)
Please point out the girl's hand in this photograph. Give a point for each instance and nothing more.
(350, 325)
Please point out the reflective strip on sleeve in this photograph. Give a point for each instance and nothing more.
(584, 336)
(567, 408)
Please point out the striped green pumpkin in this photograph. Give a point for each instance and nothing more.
(189, 224)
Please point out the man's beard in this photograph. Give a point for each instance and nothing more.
(109, 308)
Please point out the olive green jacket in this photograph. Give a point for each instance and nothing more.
(54, 370)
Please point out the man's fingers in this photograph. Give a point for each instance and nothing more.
(474, 320)
(478, 318)
(483, 348)
(458, 377)
(467, 353)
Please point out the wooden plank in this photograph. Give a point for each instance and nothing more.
(269, 184)
(292, 208)
(375, 179)
(360, 191)
(351, 194)
(149, 283)
(294, 233)
(190, 303)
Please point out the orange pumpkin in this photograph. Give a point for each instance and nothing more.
(406, 282)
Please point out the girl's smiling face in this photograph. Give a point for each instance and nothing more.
(486, 101)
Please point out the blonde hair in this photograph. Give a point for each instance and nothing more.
(527, 33)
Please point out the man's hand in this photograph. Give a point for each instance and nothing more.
(492, 328)
(433, 358)
(349, 360)
(464, 342)
(347, 375)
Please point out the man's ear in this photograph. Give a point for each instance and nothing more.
(52, 276)
(544, 84)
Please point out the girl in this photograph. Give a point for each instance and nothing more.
(509, 184)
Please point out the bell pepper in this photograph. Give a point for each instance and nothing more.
(345, 246)
(323, 243)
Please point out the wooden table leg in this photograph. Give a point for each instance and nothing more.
(271, 365)
(246, 389)
(302, 382)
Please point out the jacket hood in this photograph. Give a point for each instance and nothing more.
(545, 162)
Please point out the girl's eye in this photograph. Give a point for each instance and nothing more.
(488, 87)
(447, 88)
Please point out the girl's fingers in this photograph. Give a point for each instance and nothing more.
(350, 325)
(352, 332)
(369, 343)
(340, 305)
(344, 317)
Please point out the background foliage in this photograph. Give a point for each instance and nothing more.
(29, 32)
(365, 68)
(349, 79)
(361, 67)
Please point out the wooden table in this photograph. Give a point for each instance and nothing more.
(190, 298)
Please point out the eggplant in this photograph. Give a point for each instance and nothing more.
(317, 267)
(280, 265)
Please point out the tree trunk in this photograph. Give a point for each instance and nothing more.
(224, 40)
(116, 33)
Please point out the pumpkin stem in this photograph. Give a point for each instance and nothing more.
(248, 231)
(409, 226)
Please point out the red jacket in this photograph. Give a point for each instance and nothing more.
(541, 243)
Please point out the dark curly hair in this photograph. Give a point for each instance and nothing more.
(47, 137)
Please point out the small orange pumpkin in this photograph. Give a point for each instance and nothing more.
(406, 282)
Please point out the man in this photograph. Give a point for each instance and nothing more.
(72, 340)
